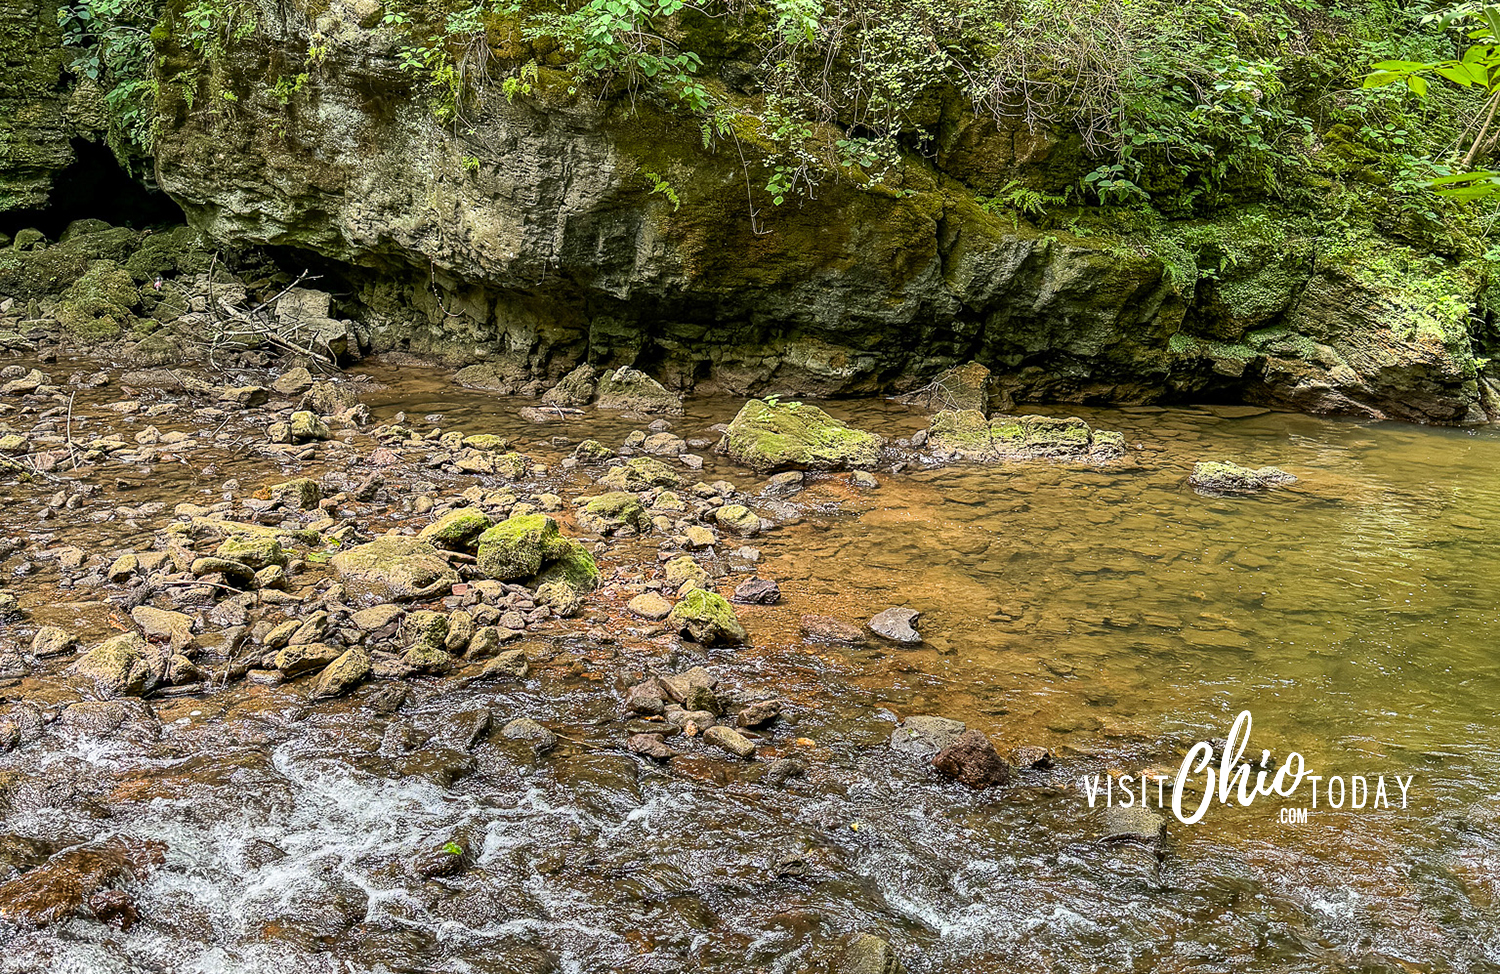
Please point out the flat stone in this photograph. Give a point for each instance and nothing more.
(756, 591)
(826, 629)
(649, 605)
(922, 736)
(898, 625)
(731, 740)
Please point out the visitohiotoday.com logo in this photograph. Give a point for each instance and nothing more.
(1234, 778)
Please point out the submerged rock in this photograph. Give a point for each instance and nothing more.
(1219, 477)
(827, 629)
(769, 436)
(865, 953)
(757, 591)
(69, 883)
(1133, 824)
(393, 569)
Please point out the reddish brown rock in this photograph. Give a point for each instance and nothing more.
(973, 760)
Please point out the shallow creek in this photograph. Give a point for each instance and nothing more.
(1110, 614)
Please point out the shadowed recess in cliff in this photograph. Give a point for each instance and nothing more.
(95, 187)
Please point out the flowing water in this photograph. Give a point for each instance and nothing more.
(1110, 614)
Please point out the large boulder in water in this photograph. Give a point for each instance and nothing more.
(963, 387)
(1216, 477)
(629, 389)
(770, 436)
(517, 546)
(393, 569)
(575, 389)
(967, 435)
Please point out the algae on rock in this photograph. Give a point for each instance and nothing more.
(770, 436)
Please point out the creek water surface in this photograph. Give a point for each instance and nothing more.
(1110, 614)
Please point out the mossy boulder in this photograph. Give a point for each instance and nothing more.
(1219, 477)
(573, 567)
(629, 389)
(685, 568)
(100, 305)
(115, 665)
(706, 618)
(171, 253)
(769, 436)
(517, 547)
(393, 569)
(458, 530)
(640, 473)
(576, 388)
(738, 519)
(343, 674)
(306, 426)
(424, 631)
(253, 551)
(966, 435)
(612, 513)
(301, 494)
(592, 451)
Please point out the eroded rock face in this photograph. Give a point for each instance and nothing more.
(850, 292)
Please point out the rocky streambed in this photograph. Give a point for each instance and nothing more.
(385, 671)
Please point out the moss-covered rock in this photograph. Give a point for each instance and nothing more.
(393, 569)
(115, 665)
(300, 494)
(965, 435)
(517, 547)
(1222, 477)
(100, 305)
(640, 473)
(961, 388)
(738, 519)
(770, 436)
(685, 568)
(612, 513)
(576, 388)
(343, 674)
(572, 566)
(253, 551)
(308, 427)
(629, 389)
(707, 618)
(457, 530)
